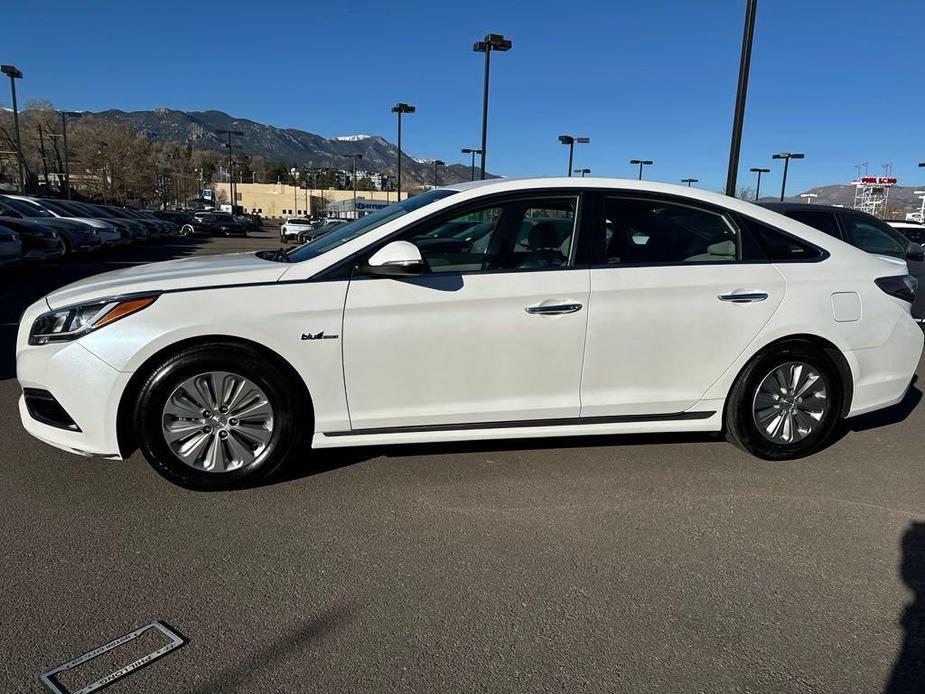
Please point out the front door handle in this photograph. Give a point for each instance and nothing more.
(553, 309)
(743, 297)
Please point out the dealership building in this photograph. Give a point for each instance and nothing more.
(278, 200)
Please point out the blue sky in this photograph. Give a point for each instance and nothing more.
(841, 80)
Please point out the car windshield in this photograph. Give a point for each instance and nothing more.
(28, 209)
(364, 225)
(57, 208)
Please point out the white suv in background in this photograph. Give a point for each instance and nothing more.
(489, 310)
(292, 227)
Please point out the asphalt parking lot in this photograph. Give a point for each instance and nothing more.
(642, 564)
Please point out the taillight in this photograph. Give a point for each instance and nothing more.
(901, 286)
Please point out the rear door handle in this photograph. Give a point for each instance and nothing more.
(743, 297)
(553, 309)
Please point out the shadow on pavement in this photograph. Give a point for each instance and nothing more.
(908, 675)
(235, 677)
(22, 286)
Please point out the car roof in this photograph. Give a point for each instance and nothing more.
(787, 206)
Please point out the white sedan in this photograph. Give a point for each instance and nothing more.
(491, 310)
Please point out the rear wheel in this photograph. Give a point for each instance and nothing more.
(218, 417)
(785, 403)
(186, 230)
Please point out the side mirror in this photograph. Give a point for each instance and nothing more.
(397, 259)
(915, 252)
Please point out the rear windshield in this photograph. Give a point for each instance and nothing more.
(363, 225)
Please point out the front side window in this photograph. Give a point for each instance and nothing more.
(530, 234)
(28, 209)
(655, 232)
(870, 236)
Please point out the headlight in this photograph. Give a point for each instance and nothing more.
(74, 321)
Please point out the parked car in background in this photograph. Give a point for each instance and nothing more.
(661, 309)
(77, 236)
(164, 227)
(319, 230)
(293, 226)
(40, 242)
(864, 231)
(10, 248)
(216, 224)
(108, 233)
(913, 231)
(138, 231)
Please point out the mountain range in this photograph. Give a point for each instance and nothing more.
(288, 146)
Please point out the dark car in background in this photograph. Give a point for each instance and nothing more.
(138, 230)
(164, 228)
(76, 236)
(10, 248)
(39, 242)
(864, 231)
(216, 224)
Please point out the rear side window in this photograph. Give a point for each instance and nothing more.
(654, 232)
(778, 246)
(823, 221)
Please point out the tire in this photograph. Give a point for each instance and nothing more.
(758, 395)
(240, 459)
(67, 249)
(187, 230)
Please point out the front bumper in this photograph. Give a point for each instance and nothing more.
(86, 388)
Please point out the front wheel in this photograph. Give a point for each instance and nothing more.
(218, 417)
(186, 230)
(785, 403)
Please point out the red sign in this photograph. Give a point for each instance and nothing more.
(877, 180)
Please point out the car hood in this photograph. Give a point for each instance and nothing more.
(186, 273)
(62, 223)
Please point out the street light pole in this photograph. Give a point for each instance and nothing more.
(759, 171)
(570, 141)
(491, 42)
(231, 186)
(786, 156)
(400, 108)
(437, 163)
(473, 151)
(688, 181)
(739, 115)
(14, 74)
(354, 157)
(641, 163)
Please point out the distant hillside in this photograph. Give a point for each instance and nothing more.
(902, 198)
(285, 145)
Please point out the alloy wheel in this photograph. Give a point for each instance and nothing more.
(790, 403)
(217, 421)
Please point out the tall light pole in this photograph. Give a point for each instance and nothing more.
(688, 181)
(473, 151)
(570, 141)
(231, 186)
(491, 42)
(67, 156)
(641, 163)
(353, 175)
(758, 171)
(582, 172)
(14, 74)
(739, 115)
(786, 156)
(400, 108)
(437, 163)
